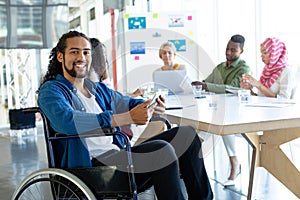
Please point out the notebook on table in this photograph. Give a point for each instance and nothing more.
(171, 80)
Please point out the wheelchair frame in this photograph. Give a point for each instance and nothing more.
(62, 184)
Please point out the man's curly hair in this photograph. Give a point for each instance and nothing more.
(54, 66)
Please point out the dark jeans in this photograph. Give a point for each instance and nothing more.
(160, 160)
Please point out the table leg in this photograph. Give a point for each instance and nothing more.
(276, 162)
(250, 138)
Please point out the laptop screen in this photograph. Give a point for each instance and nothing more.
(170, 79)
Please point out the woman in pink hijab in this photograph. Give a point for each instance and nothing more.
(277, 79)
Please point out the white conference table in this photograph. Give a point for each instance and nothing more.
(278, 120)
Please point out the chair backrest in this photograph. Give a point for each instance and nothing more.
(25, 118)
(19, 119)
(49, 148)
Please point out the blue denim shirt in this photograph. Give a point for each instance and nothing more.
(58, 100)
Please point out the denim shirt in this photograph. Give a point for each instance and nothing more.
(58, 100)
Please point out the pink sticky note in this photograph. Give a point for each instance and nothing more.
(190, 17)
(136, 58)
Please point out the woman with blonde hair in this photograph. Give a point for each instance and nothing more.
(167, 53)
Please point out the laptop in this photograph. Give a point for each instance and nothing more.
(173, 80)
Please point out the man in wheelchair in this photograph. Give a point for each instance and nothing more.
(74, 104)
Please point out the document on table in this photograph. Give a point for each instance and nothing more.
(278, 104)
(174, 103)
(232, 90)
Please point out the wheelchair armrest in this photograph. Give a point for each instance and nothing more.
(109, 131)
(100, 132)
(94, 133)
(163, 119)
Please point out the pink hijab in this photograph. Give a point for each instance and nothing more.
(278, 61)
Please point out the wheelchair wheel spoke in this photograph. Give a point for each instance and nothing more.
(48, 185)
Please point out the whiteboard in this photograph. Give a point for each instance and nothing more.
(144, 33)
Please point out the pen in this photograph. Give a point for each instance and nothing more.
(179, 107)
(174, 108)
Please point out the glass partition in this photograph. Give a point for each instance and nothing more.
(32, 24)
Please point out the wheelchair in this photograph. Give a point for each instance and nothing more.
(93, 183)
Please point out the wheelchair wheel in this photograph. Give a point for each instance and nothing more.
(52, 183)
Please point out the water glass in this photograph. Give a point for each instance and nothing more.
(197, 89)
(212, 101)
(163, 92)
(244, 96)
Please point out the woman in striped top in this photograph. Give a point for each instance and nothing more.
(277, 79)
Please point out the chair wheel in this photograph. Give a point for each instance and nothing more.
(52, 184)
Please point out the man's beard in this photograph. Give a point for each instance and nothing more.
(73, 73)
(229, 59)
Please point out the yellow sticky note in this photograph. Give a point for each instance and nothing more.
(155, 15)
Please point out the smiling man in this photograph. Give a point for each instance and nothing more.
(74, 104)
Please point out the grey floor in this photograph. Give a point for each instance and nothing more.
(21, 156)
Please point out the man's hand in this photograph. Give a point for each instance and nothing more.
(140, 115)
(199, 83)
